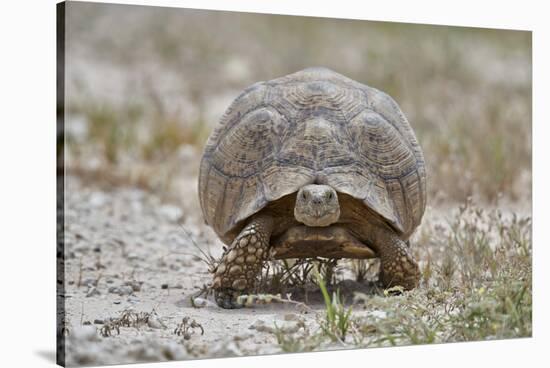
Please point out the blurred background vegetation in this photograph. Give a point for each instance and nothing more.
(145, 86)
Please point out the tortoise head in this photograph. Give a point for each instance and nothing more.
(317, 205)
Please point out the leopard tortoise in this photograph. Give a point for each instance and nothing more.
(312, 164)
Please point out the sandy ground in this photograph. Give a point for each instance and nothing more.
(128, 251)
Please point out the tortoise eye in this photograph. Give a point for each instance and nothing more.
(304, 196)
(329, 195)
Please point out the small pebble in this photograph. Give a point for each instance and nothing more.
(121, 290)
(98, 199)
(170, 213)
(135, 285)
(291, 317)
(175, 267)
(126, 290)
(154, 322)
(132, 300)
(201, 303)
(133, 256)
(261, 326)
(378, 314)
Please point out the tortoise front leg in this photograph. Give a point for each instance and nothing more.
(241, 264)
(398, 266)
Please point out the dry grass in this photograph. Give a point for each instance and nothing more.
(477, 286)
(477, 283)
(167, 77)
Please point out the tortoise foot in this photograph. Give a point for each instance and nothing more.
(397, 276)
(241, 264)
(398, 265)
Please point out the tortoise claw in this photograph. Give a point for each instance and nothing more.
(227, 298)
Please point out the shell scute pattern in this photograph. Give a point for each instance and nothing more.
(280, 135)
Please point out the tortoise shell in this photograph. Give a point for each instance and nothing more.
(312, 126)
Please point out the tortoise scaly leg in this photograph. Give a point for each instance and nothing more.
(398, 264)
(241, 264)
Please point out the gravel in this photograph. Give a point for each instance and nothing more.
(148, 263)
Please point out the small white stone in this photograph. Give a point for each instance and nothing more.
(170, 213)
(378, 314)
(154, 322)
(98, 199)
(201, 303)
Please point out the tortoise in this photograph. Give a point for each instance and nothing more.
(312, 164)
